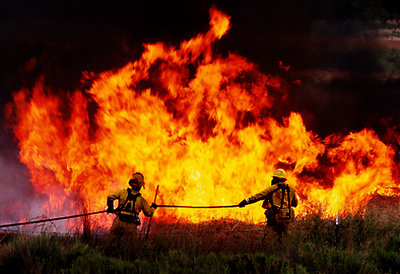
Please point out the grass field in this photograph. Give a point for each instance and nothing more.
(366, 242)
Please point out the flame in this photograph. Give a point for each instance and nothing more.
(362, 165)
(196, 124)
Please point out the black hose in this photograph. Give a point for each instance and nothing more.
(103, 211)
(53, 219)
(183, 206)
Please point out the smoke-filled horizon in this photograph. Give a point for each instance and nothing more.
(342, 78)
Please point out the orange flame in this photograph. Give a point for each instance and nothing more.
(203, 135)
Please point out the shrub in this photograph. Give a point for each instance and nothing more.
(365, 242)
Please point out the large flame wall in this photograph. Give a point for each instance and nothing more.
(195, 123)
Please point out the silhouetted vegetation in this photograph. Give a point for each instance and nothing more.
(368, 241)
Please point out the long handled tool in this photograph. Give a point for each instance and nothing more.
(53, 219)
(148, 226)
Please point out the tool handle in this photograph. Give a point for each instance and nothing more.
(148, 226)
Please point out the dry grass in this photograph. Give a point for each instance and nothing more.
(368, 241)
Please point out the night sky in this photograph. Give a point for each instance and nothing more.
(345, 83)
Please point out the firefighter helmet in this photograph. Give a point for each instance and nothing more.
(137, 180)
(280, 173)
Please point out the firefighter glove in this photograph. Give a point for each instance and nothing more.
(110, 209)
(242, 203)
(153, 205)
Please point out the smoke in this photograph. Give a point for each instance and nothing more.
(349, 78)
(347, 81)
(18, 199)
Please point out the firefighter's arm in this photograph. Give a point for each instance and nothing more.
(110, 201)
(147, 210)
(257, 197)
(261, 195)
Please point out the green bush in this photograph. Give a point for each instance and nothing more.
(52, 254)
(388, 258)
(24, 253)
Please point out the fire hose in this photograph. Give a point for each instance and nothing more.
(53, 219)
(104, 211)
(185, 206)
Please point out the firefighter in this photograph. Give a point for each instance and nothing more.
(279, 200)
(122, 234)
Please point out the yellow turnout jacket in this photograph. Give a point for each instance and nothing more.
(140, 204)
(273, 198)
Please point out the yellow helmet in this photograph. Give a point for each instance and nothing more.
(280, 173)
(137, 180)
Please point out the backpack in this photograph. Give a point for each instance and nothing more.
(127, 212)
(283, 213)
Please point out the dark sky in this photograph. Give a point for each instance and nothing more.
(325, 43)
(345, 84)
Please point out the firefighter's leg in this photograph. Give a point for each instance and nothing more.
(113, 238)
(270, 234)
(129, 241)
(281, 229)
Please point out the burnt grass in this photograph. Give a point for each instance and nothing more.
(365, 242)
